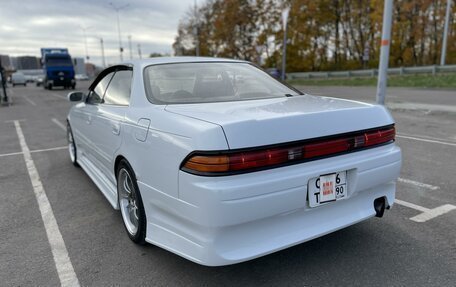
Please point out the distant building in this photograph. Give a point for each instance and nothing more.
(28, 63)
(13, 61)
(79, 66)
(6, 62)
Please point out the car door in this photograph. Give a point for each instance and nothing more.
(110, 118)
(87, 126)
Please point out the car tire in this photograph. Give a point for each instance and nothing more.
(130, 203)
(72, 146)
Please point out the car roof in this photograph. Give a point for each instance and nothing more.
(172, 60)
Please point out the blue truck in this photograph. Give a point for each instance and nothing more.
(57, 68)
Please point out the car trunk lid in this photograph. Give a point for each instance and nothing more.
(256, 123)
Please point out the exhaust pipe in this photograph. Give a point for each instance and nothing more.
(379, 206)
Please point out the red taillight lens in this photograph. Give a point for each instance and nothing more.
(379, 137)
(257, 159)
(232, 162)
(326, 147)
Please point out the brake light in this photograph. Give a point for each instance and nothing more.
(233, 162)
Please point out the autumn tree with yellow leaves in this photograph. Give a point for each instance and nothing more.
(322, 34)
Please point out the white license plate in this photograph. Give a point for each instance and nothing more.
(327, 188)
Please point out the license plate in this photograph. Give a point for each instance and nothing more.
(327, 188)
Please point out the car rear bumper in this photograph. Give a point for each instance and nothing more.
(59, 82)
(225, 220)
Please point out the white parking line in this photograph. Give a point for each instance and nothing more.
(431, 213)
(411, 205)
(12, 153)
(427, 137)
(426, 213)
(62, 261)
(30, 101)
(57, 96)
(417, 183)
(426, 140)
(35, 151)
(57, 122)
(49, 149)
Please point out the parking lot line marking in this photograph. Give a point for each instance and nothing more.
(13, 121)
(432, 213)
(57, 122)
(426, 213)
(417, 183)
(30, 101)
(411, 205)
(62, 260)
(49, 149)
(57, 96)
(426, 137)
(12, 153)
(426, 140)
(35, 151)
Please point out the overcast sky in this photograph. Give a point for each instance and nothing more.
(28, 25)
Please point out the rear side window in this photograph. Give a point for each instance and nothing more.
(118, 92)
(97, 94)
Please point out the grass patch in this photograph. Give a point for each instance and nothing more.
(421, 81)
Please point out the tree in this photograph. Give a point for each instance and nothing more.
(322, 34)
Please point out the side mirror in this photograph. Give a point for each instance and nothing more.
(76, 96)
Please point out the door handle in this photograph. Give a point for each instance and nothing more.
(116, 128)
(89, 119)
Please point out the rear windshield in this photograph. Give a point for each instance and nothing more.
(210, 82)
(59, 62)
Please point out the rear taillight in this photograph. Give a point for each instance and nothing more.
(234, 162)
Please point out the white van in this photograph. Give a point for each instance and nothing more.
(18, 79)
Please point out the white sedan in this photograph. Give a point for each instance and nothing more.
(218, 162)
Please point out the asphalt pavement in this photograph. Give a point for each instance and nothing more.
(414, 244)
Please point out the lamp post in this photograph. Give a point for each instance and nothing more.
(103, 60)
(384, 52)
(139, 51)
(285, 14)
(196, 31)
(117, 9)
(445, 33)
(129, 47)
(84, 29)
(3, 83)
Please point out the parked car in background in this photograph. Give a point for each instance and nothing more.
(216, 161)
(81, 77)
(276, 73)
(30, 78)
(18, 79)
(39, 80)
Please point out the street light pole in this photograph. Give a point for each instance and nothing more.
(445, 33)
(3, 82)
(139, 51)
(384, 52)
(117, 9)
(84, 29)
(285, 13)
(102, 53)
(129, 47)
(196, 31)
